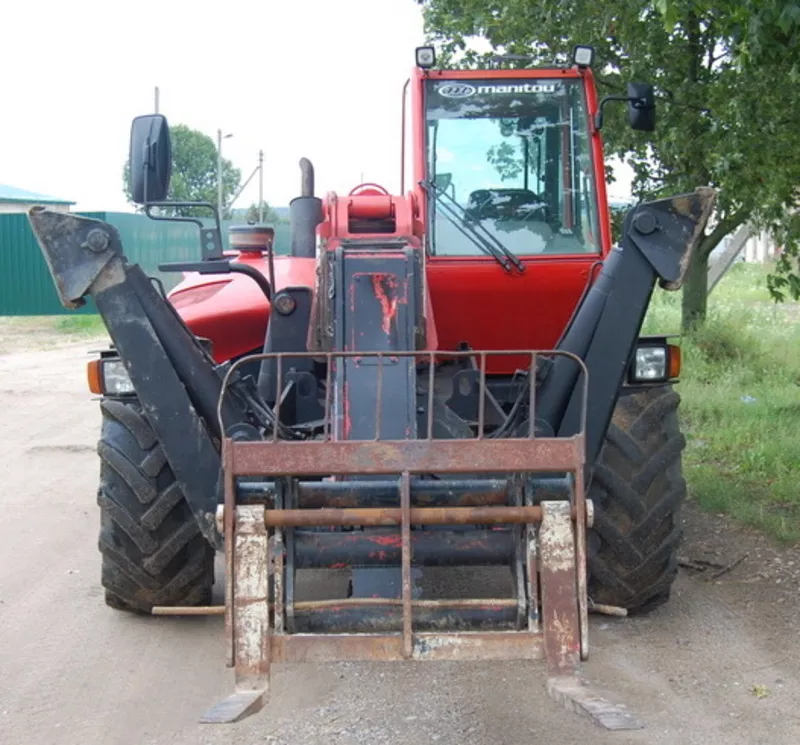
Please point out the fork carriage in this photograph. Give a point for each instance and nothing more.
(517, 501)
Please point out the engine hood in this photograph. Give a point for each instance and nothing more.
(230, 309)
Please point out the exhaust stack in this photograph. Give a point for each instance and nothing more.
(305, 213)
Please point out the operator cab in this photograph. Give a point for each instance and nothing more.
(511, 158)
(511, 182)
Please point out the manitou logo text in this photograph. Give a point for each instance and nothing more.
(455, 90)
(461, 90)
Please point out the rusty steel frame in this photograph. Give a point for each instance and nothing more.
(432, 358)
(554, 546)
(321, 517)
(254, 642)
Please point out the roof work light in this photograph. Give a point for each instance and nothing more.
(583, 56)
(426, 57)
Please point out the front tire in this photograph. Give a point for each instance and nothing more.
(638, 489)
(153, 552)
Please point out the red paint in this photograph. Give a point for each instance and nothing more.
(235, 316)
(347, 424)
(478, 302)
(390, 541)
(466, 299)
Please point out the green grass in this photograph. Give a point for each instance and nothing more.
(80, 325)
(18, 333)
(742, 456)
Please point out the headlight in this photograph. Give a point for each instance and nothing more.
(655, 363)
(651, 363)
(108, 377)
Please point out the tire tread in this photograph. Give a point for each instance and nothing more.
(152, 550)
(638, 490)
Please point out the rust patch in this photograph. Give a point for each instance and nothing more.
(704, 198)
(385, 516)
(321, 648)
(319, 458)
(385, 288)
(248, 613)
(559, 588)
(405, 532)
(346, 421)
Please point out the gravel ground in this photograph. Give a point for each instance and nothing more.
(719, 664)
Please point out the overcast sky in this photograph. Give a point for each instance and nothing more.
(314, 78)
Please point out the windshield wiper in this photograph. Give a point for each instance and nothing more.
(489, 243)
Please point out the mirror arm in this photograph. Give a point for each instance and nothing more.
(211, 238)
(598, 117)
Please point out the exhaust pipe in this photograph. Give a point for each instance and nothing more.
(305, 213)
(307, 178)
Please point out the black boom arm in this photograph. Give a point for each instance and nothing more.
(657, 244)
(174, 378)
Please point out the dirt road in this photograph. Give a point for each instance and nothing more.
(720, 664)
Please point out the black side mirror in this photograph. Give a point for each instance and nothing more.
(641, 107)
(150, 158)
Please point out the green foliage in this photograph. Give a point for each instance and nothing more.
(503, 157)
(762, 31)
(270, 215)
(739, 395)
(617, 218)
(194, 174)
(725, 73)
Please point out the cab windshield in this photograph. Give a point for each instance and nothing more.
(509, 164)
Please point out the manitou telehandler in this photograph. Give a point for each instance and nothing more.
(449, 377)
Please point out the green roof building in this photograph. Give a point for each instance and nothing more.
(13, 199)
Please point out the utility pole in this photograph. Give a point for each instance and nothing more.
(261, 186)
(219, 171)
(156, 100)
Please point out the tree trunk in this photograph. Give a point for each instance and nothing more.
(695, 285)
(695, 290)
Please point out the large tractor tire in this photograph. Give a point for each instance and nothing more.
(152, 550)
(638, 489)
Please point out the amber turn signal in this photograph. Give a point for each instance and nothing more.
(674, 361)
(94, 374)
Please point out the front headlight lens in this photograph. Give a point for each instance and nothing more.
(115, 378)
(651, 363)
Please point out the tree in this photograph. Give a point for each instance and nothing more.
(766, 45)
(270, 215)
(194, 174)
(724, 121)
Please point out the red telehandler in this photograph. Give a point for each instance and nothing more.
(449, 377)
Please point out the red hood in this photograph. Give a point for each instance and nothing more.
(230, 309)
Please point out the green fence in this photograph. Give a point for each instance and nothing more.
(26, 288)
